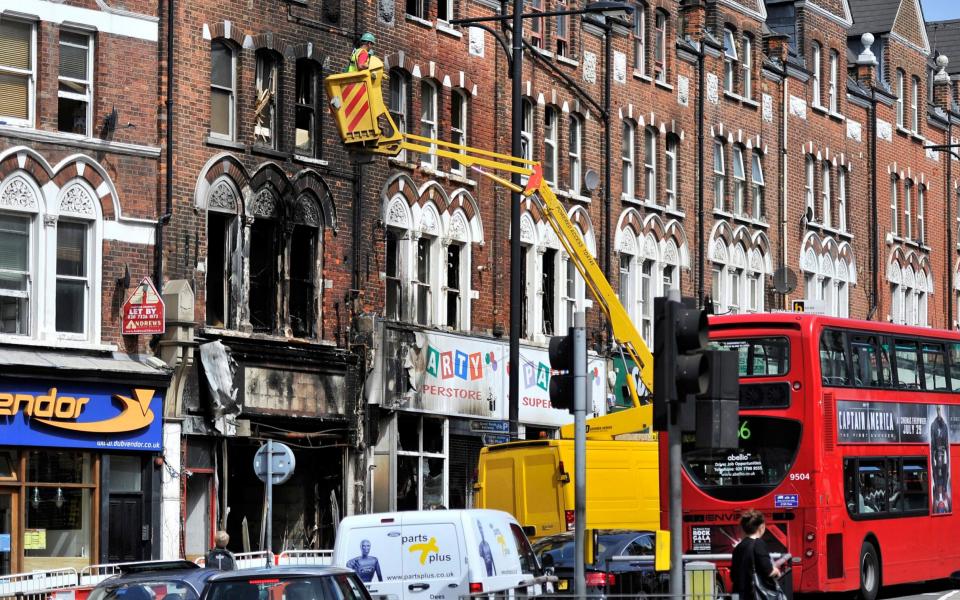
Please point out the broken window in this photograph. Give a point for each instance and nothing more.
(220, 246)
(421, 462)
(263, 275)
(394, 286)
(453, 285)
(307, 113)
(303, 289)
(265, 107)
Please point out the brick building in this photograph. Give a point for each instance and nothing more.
(80, 145)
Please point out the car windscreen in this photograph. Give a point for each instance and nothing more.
(331, 587)
(766, 450)
(145, 590)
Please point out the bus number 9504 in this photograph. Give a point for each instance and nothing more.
(799, 476)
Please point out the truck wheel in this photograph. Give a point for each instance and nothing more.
(869, 572)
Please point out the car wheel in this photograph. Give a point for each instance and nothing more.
(869, 572)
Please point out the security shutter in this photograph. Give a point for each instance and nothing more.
(464, 454)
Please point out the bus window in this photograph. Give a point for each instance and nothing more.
(934, 367)
(833, 358)
(908, 365)
(766, 451)
(894, 486)
(915, 485)
(850, 484)
(872, 487)
(866, 361)
(758, 357)
(954, 350)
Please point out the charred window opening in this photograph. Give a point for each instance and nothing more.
(453, 285)
(263, 275)
(303, 289)
(220, 235)
(421, 462)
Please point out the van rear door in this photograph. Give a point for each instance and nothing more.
(432, 559)
(541, 492)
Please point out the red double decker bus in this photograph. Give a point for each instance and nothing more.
(846, 441)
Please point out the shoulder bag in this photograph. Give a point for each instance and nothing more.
(760, 590)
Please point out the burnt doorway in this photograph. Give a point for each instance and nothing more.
(306, 509)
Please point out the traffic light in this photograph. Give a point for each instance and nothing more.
(679, 365)
(718, 409)
(561, 369)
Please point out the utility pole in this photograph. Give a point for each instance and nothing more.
(516, 282)
(579, 451)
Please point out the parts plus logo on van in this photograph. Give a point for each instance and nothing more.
(427, 547)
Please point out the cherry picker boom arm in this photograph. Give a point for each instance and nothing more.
(365, 125)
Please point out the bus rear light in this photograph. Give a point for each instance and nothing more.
(476, 587)
(808, 553)
(568, 517)
(810, 536)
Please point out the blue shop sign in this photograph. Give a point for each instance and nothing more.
(80, 415)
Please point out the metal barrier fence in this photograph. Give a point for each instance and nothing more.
(21, 584)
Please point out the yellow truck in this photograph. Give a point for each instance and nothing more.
(532, 480)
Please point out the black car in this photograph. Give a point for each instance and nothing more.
(605, 575)
(170, 580)
(286, 583)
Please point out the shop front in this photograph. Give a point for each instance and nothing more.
(77, 471)
(437, 399)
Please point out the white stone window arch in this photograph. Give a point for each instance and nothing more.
(425, 275)
(843, 283)
(755, 281)
(909, 291)
(398, 220)
(720, 256)
(74, 264)
(629, 251)
(895, 278)
(922, 291)
(21, 230)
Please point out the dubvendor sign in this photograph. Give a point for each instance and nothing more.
(70, 415)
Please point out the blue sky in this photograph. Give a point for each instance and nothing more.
(938, 10)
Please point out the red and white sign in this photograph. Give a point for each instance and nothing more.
(143, 312)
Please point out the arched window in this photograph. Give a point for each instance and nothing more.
(739, 181)
(900, 97)
(756, 174)
(670, 174)
(223, 257)
(305, 253)
(264, 275)
(428, 119)
(223, 89)
(832, 93)
(730, 60)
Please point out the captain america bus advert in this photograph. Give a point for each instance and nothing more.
(934, 425)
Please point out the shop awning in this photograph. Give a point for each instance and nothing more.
(83, 365)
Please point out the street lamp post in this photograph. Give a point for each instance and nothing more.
(609, 9)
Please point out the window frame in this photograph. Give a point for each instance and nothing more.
(537, 24)
(575, 153)
(758, 185)
(429, 124)
(719, 175)
(739, 181)
(88, 97)
(316, 133)
(422, 454)
(551, 143)
(88, 280)
(26, 296)
(455, 290)
(842, 198)
(921, 200)
(817, 74)
(731, 60)
(660, 25)
(628, 157)
(399, 103)
(268, 61)
(639, 38)
(418, 9)
(747, 66)
(31, 75)
(527, 128)
(901, 109)
(393, 237)
(832, 90)
(561, 34)
(810, 167)
(449, 8)
(671, 154)
(459, 125)
(826, 198)
(650, 164)
(907, 209)
(421, 280)
(894, 202)
(232, 92)
(915, 104)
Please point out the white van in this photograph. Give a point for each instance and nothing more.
(437, 554)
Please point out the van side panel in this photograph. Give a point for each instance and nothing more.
(492, 550)
(541, 500)
(622, 484)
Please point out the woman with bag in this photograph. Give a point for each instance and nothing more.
(752, 572)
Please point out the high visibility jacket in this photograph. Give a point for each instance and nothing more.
(358, 60)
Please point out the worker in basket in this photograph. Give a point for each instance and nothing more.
(360, 58)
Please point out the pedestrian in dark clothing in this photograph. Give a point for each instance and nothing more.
(751, 555)
(219, 557)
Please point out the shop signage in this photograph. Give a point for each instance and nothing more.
(468, 376)
(143, 312)
(65, 415)
(490, 426)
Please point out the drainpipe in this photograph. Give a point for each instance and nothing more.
(701, 245)
(948, 285)
(782, 208)
(165, 218)
(874, 218)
